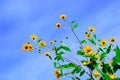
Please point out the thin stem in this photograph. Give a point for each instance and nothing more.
(77, 38)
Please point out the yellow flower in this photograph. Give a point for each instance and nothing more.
(112, 40)
(57, 74)
(96, 74)
(52, 42)
(27, 47)
(62, 17)
(98, 57)
(91, 53)
(91, 29)
(103, 43)
(88, 35)
(112, 76)
(42, 44)
(47, 54)
(87, 49)
(110, 63)
(33, 37)
(58, 25)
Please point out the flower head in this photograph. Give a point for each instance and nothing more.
(112, 40)
(33, 37)
(96, 74)
(58, 25)
(57, 74)
(88, 35)
(63, 16)
(47, 54)
(112, 76)
(27, 47)
(42, 43)
(52, 42)
(87, 49)
(103, 43)
(91, 29)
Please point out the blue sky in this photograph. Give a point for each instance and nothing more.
(21, 18)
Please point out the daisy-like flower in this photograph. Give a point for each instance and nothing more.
(91, 29)
(52, 42)
(47, 54)
(58, 25)
(87, 49)
(63, 16)
(42, 44)
(33, 37)
(112, 76)
(88, 35)
(103, 43)
(27, 47)
(112, 40)
(57, 74)
(91, 53)
(96, 74)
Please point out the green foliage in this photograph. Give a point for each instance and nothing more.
(92, 41)
(75, 26)
(64, 48)
(117, 57)
(87, 60)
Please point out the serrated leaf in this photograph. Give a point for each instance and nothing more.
(75, 26)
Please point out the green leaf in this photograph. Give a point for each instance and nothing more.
(70, 65)
(50, 57)
(80, 52)
(39, 40)
(92, 41)
(94, 36)
(101, 49)
(78, 69)
(73, 78)
(55, 64)
(117, 57)
(106, 68)
(83, 41)
(82, 73)
(103, 55)
(59, 57)
(89, 79)
(109, 48)
(75, 26)
(63, 47)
